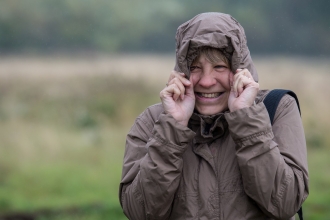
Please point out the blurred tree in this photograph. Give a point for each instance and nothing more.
(281, 26)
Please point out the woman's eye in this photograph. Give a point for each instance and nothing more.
(192, 68)
(219, 67)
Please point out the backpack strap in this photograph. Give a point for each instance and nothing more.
(274, 97)
(271, 102)
(300, 214)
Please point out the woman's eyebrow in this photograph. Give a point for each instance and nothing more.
(196, 63)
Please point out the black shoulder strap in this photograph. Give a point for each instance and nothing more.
(271, 102)
(300, 214)
(274, 97)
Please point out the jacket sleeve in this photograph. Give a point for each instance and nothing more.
(272, 160)
(152, 167)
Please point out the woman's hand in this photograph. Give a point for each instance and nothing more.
(243, 90)
(178, 97)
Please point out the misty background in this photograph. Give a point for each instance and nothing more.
(74, 75)
(272, 27)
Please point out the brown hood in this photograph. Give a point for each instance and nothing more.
(215, 30)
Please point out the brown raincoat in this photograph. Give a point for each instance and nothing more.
(233, 165)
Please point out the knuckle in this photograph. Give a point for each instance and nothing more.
(238, 75)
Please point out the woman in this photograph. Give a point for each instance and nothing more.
(208, 151)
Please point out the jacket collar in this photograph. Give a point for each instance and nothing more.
(208, 128)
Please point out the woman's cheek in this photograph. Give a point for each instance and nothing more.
(229, 80)
(194, 79)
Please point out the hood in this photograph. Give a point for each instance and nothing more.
(215, 30)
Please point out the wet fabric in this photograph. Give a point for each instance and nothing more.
(232, 165)
(216, 30)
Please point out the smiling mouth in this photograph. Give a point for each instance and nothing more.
(209, 95)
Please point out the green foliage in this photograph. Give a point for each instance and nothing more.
(315, 138)
(84, 119)
(62, 151)
(317, 205)
(145, 25)
(62, 141)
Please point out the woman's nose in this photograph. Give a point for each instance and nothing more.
(207, 79)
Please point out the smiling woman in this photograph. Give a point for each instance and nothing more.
(210, 74)
(209, 148)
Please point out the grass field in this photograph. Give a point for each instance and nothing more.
(63, 122)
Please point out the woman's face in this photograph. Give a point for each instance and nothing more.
(211, 85)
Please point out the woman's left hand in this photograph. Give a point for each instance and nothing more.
(243, 90)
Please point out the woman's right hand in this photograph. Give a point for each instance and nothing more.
(178, 97)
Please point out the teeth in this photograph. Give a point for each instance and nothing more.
(210, 95)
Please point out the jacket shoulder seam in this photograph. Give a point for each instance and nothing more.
(256, 135)
(146, 115)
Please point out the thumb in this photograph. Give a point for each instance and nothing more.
(232, 95)
(190, 88)
(231, 99)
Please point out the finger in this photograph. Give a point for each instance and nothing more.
(247, 73)
(176, 92)
(171, 76)
(231, 78)
(170, 90)
(180, 76)
(190, 88)
(247, 77)
(238, 71)
(231, 81)
(175, 96)
(174, 74)
(235, 85)
(184, 80)
(238, 84)
(179, 84)
(244, 82)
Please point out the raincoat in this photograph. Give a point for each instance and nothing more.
(232, 165)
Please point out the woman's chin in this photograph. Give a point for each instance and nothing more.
(210, 110)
